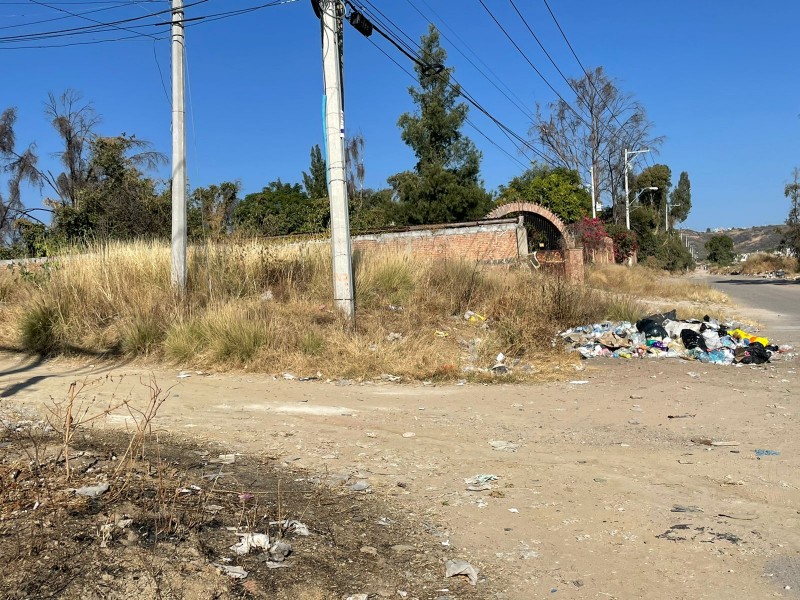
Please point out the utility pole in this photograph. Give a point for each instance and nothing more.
(627, 199)
(178, 151)
(594, 202)
(332, 12)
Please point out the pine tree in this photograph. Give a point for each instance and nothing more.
(444, 185)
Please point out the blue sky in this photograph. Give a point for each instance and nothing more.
(718, 78)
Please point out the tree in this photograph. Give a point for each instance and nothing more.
(559, 190)
(116, 201)
(604, 122)
(658, 176)
(720, 249)
(281, 209)
(354, 159)
(20, 167)
(210, 210)
(444, 185)
(315, 181)
(680, 201)
(791, 236)
(75, 123)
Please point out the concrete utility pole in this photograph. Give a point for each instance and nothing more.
(594, 201)
(332, 11)
(627, 200)
(178, 151)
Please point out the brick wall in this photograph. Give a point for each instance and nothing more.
(496, 241)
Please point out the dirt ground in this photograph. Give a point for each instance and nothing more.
(612, 486)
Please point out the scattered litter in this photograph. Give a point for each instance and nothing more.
(504, 446)
(441, 334)
(513, 510)
(224, 459)
(233, 572)
(409, 434)
(680, 508)
(707, 442)
(764, 452)
(183, 375)
(473, 317)
(289, 376)
(279, 551)
(664, 336)
(250, 541)
(358, 597)
(394, 337)
(579, 382)
(684, 416)
(461, 567)
(480, 483)
(739, 516)
(92, 491)
(360, 486)
(292, 527)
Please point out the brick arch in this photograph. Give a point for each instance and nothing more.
(530, 207)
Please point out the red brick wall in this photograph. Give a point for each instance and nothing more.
(493, 242)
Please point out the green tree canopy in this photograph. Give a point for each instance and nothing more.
(680, 201)
(315, 181)
(659, 176)
(558, 189)
(720, 249)
(281, 209)
(444, 185)
(116, 201)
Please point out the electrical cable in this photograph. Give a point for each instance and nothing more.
(469, 121)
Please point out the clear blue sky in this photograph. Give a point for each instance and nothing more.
(719, 79)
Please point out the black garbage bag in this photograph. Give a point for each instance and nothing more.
(692, 339)
(754, 354)
(659, 318)
(651, 329)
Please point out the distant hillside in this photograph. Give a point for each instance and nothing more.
(751, 239)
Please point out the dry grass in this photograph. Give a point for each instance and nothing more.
(647, 283)
(257, 306)
(766, 263)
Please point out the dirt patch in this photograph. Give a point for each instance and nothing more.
(166, 524)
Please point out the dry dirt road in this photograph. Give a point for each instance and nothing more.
(611, 493)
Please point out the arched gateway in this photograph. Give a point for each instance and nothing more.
(548, 236)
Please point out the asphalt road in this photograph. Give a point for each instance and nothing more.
(774, 302)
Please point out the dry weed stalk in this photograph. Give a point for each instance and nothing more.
(68, 415)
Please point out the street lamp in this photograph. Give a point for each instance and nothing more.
(627, 202)
(635, 200)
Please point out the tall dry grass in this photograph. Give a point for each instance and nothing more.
(652, 284)
(267, 307)
(766, 263)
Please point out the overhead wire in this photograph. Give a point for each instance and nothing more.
(458, 88)
(468, 120)
(518, 105)
(580, 63)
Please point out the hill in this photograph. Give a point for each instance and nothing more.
(745, 240)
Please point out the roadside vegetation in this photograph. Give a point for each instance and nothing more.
(767, 263)
(652, 284)
(266, 307)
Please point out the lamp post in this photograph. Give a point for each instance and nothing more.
(635, 200)
(628, 153)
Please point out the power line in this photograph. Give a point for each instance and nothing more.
(580, 63)
(465, 94)
(476, 67)
(469, 121)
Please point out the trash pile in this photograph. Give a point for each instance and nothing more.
(664, 335)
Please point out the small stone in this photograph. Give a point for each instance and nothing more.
(401, 548)
(636, 397)
(371, 550)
